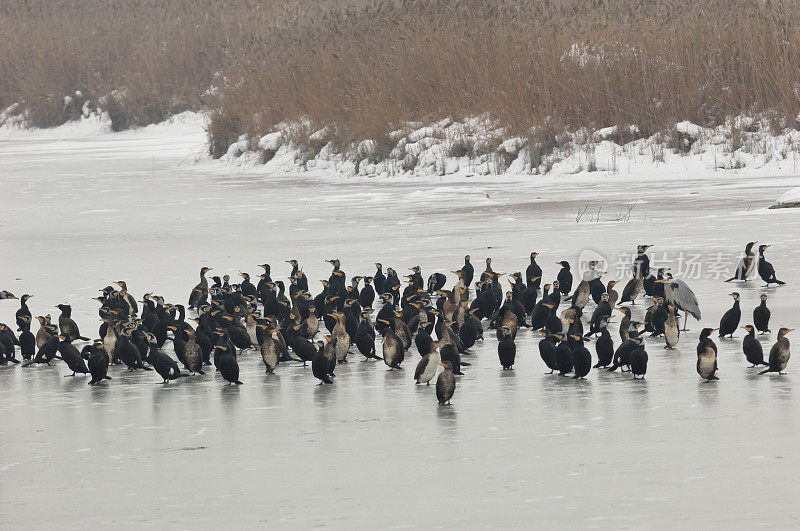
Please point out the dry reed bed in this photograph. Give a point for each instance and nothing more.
(364, 67)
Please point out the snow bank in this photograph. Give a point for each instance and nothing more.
(480, 147)
(790, 199)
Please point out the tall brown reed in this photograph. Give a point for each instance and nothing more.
(365, 66)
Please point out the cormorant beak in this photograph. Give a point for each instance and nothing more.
(790, 330)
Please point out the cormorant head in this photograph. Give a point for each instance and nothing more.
(763, 297)
(204, 270)
(783, 331)
(735, 296)
(467, 258)
(706, 332)
(762, 247)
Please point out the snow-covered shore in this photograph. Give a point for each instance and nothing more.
(477, 148)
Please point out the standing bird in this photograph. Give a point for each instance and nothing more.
(393, 352)
(761, 315)
(507, 349)
(467, 271)
(547, 350)
(98, 364)
(23, 310)
(71, 356)
(604, 345)
(227, 365)
(320, 365)
(581, 358)
(779, 353)
(445, 384)
(638, 359)
(746, 265)
(679, 293)
(200, 290)
(564, 278)
(534, 273)
(707, 356)
(765, 269)
(632, 290)
(426, 368)
(752, 347)
(730, 319)
(367, 295)
(67, 326)
(672, 333)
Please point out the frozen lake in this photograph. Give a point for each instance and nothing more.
(81, 210)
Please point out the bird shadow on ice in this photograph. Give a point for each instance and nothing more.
(394, 376)
(75, 382)
(230, 395)
(447, 416)
(708, 393)
(324, 394)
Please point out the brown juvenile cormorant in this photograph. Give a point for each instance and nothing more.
(67, 326)
(200, 289)
(779, 353)
(445, 384)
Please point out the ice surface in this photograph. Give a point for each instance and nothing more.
(516, 449)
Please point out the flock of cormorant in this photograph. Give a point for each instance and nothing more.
(234, 317)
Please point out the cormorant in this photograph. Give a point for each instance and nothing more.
(227, 365)
(468, 271)
(752, 347)
(427, 366)
(581, 358)
(707, 356)
(67, 326)
(547, 350)
(393, 352)
(199, 291)
(638, 359)
(506, 349)
(563, 357)
(765, 269)
(71, 356)
(98, 364)
(746, 264)
(445, 384)
(564, 278)
(604, 345)
(761, 315)
(533, 274)
(672, 331)
(730, 319)
(779, 353)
